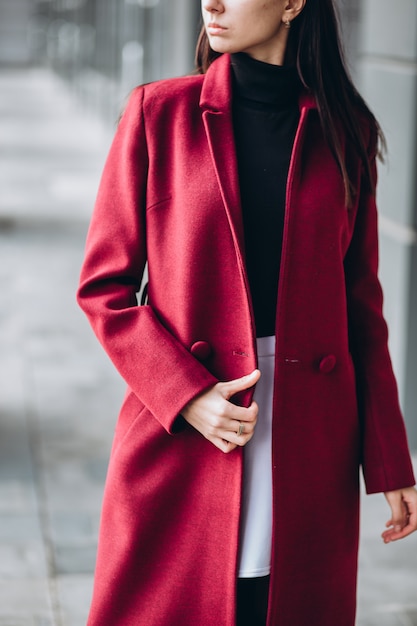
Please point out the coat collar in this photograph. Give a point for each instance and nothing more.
(216, 93)
(216, 102)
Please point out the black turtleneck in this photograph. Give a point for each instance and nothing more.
(265, 118)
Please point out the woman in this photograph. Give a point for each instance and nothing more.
(208, 178)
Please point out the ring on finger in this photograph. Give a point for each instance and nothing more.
(240, 431)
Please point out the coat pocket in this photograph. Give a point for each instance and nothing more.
(131, 410)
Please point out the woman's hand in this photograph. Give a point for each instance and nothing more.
(220, 421)
(403, 522)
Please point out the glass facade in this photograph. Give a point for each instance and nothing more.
(106, 47)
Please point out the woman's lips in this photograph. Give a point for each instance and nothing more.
(215, 29)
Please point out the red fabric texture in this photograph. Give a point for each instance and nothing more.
(169, 535)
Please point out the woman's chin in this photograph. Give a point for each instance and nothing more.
(221, 47)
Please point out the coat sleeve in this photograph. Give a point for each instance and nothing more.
(386, 460)
(160, 371)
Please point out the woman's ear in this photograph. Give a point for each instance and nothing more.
(293, 8)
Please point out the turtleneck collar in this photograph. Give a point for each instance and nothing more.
(258, 82)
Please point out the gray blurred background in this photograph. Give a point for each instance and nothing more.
(66, 68)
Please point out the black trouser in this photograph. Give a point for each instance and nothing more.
(252, 601)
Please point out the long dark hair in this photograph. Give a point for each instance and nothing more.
(316, 47)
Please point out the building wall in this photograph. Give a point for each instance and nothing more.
(388, 74)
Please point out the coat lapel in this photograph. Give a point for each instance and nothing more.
(216, 103)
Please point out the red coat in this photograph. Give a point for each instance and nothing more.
(170, 525)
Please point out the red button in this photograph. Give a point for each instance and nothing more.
(327, 364)
(201, 350)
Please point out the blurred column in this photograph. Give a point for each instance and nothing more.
(388, 71)
(14, 19)
(350, 17)
(181, 33)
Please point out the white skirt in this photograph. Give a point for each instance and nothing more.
(256, 516)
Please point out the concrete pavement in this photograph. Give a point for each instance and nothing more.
(59, 395)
